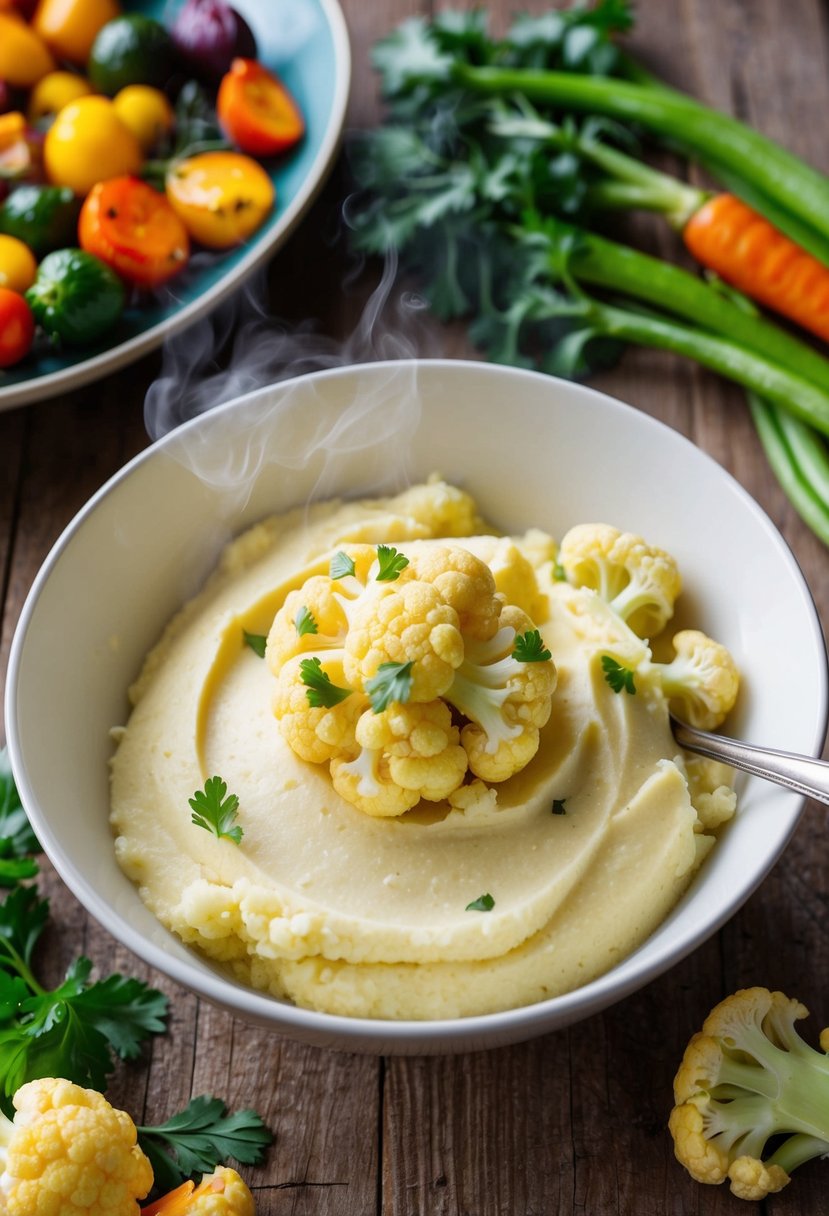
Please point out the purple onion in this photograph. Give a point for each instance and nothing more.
(209, 35)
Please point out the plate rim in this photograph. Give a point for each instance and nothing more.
(66, 379)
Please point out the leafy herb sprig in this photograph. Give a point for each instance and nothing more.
(341, 565)
(305, 621)
(484, 903)
(215, 810)
(392, 682)
(17, 840)
(74, 1030)
(321, 691)
(256, 641)
(196, 1139)
(619, 677)
(391, 563)
(529, 648)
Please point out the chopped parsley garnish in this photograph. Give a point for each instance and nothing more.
(484, 903)
(392, 564)
(304, 621)
(196, 1139)
(215, 810)
(257, 642)
(529, 648)
(617, 675)
(559, 573)
(321, 692)
(341, 565)
(558, 806)
(393, 682)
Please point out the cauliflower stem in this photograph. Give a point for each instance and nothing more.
(746, 1077)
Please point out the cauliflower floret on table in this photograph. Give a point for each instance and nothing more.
(702, 681)
(507, 697)
(640, 582)
(748, 1078)
(222, 1193)
(68, 1151)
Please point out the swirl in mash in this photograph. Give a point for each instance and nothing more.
(583, 851)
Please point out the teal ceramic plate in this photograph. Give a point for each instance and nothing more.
(306, 43)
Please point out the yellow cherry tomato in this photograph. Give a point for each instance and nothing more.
(18, 268)
(24, 57)
(88, 143)
(146, 111)
(69, 27)
(221, 197)
(54, 92)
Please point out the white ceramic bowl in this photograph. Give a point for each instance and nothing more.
(534, 451)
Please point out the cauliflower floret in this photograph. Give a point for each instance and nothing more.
(408, 752)
(702, 682)
(68, 1151)
(444, 509)
(315, 616)
(506, 699)
(222, 1193)
(464, 582)
(712, 796)
(420, 744)
(406, 623)
(747, 1084)
(512, 572)
(317, 732)
(310, 619)
(639, 581)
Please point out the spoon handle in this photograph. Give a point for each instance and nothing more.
(799, 773)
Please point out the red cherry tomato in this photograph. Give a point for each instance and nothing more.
(134, 230)
(17, 327)
(256, 111)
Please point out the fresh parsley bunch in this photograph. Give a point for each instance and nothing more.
(203, 1134)
(17, 840)
(75, 1030)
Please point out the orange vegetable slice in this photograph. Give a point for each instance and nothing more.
(220, 197)
(256, 111)
(133, 228)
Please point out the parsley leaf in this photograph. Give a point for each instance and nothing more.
(392, 682)
(558, 806)
(341, 565)
(304, 622)
(257, 642)
(201, 1136)
(484, 903)
(74, 1030)
(321, 691)
(392, 564)
(214, 811)
(529, 648)
(617, 675)
(17, 839)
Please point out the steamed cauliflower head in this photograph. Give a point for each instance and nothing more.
(69, 1152)
(406, 672)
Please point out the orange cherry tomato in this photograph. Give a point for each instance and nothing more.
(221, 197)
(133, 229)
(17, 327)
(256, 111)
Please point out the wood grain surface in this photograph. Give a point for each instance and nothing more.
(574, 1122)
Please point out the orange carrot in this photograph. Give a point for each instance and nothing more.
(748, 252)
(174, 1203)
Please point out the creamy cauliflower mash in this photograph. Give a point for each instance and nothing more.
(391, 764)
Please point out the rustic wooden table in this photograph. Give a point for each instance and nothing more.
(574, 1122)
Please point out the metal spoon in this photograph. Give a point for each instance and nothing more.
(799, 773)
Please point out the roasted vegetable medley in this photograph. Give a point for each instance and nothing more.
(124, 143)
